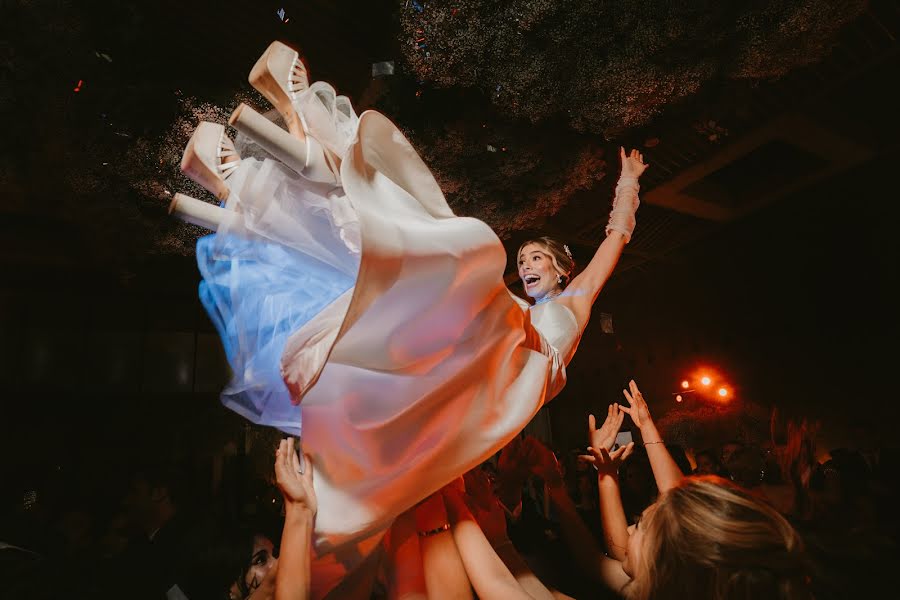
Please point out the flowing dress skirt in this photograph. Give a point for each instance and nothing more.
(368, 306)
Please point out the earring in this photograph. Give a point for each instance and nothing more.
(559, 279)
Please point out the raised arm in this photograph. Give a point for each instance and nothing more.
(665, 469)
(445, 575)
(300, 505)
(490, 577)
(612, 515)
(582, 291)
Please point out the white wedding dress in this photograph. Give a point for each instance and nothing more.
(368, 306)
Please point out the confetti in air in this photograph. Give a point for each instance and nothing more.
(281, 15)
(78, 87)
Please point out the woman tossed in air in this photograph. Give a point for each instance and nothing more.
(340, 281)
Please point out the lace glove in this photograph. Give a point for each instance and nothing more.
(624, 207)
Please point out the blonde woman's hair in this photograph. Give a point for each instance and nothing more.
(559, 255)
(707, 538)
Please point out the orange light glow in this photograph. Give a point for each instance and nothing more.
(678, 398)
(723, 392)
(685, 384)
(705, 380)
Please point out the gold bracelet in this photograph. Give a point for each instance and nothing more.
(435, 531)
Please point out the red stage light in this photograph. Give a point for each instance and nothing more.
(705, 380)
(685, 384)
(678, 398)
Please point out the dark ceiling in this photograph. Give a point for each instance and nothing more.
(83, 170)
(765, 236)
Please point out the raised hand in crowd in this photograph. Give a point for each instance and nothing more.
(607, 463)
(295, 480)
(665, 469)
(605, 437)
(637, 408)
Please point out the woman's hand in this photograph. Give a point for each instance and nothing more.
(633, 164)
(665, 470)
(637, 407)
(605, 437)
(296, 484)
(607, 463)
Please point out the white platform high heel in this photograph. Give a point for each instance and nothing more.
(210, 158)
(199, 212)
(307, 157)
(281, 76)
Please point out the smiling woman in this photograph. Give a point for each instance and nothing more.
(339, 277)
(545, 267)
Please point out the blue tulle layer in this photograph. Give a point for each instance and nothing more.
(257, 293)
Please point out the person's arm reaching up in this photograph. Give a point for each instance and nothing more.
(292, 580)
(489, 576)
(581, 293)
(445, 575)
(665, 470)
(612, 515)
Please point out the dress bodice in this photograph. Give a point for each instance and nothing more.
(558, 325)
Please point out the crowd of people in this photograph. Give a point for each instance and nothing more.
(642, 520)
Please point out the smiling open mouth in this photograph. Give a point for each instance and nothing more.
(531, 279)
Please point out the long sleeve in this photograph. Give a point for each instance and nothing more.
(625, 205)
